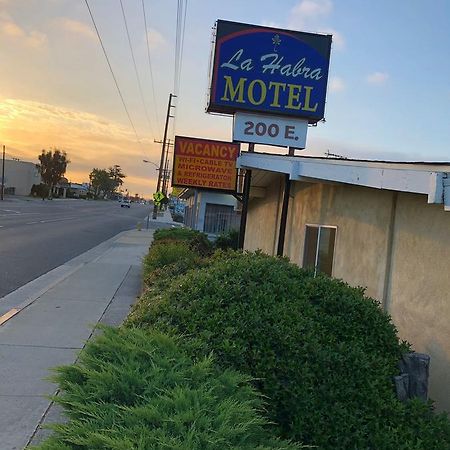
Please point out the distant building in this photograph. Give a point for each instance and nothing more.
(381, 225)
(78, 190)
(19, 176)
(66, 189)
(211, 212)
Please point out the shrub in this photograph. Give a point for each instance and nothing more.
(133, 390)
(196, 240)
(178, 217)
(323, 354)
(168, 252)
(179, 234)
(228, 240)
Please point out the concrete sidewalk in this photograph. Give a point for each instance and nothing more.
(55, 316)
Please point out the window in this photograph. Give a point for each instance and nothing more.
(319, 248)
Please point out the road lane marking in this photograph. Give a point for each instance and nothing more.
(11, 313)
(19, 214)
(52, 220)
(11, 210)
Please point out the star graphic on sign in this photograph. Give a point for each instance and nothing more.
(276, 41)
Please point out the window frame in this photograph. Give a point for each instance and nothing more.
(319, 226)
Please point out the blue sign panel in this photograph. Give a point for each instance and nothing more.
(269, 70)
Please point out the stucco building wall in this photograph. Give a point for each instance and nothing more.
(394, 244)
(20, 175)
(262, 220)
(419, 291)
(362, 218)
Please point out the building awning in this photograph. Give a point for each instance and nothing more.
(430, 179)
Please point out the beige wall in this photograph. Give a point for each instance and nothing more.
(419, 295)
(262, 220)
(362, 218)
(21, 175)
(415, 287)
(358, 213)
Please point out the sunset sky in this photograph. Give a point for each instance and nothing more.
(388, 94)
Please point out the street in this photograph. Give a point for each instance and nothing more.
(37, 236)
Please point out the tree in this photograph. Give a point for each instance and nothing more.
(101, 182)
(53, 165)
(106, 181)
(116, 174)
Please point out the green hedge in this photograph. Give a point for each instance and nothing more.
(133, 390)
(177, 233)
(168, 252)
(229, 240)
(196, 241)
(323, 353)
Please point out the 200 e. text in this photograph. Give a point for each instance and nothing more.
(272, 130)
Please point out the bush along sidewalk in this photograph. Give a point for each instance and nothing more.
(322, 354)
(133, 390)
(172, 253)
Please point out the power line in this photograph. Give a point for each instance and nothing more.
(135, 69)
(179, 45)
(182, 41)
(179, 42)
(150, 65)
(112, 72)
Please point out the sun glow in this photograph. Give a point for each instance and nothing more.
(26, 127)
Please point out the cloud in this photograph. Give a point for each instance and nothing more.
(309, 15)
(336, 84)
(11, 30)
(377, 78)
(75, 27)
(271, 24)
(90, 140)
(338, 38)
(313, 8)
(155, 39)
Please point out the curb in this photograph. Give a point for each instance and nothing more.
(69, 268)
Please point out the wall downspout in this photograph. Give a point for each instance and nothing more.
(389, 254)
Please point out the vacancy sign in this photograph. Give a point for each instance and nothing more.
(270, 130)
(204, 163)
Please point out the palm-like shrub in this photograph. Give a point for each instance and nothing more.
(133, 390)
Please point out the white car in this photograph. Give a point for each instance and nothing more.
(125, 203)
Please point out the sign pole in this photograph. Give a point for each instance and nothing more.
(245, 198)
(284, 213)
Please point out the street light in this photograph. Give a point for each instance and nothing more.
(151, 162)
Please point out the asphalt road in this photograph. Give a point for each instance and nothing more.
(37, 236)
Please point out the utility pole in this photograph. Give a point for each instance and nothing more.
(166, 172)
(163, 150)
(165, 178)
(3, 174)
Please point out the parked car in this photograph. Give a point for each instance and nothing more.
(125, 203)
